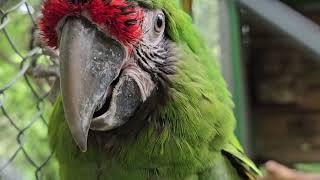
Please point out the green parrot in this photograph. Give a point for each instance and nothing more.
(141, 95)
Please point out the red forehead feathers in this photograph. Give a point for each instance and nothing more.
(121, 18)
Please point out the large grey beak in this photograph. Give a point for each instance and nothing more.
(90, 62)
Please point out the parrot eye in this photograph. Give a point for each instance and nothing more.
(159, 24)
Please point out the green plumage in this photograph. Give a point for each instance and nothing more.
(197, 142)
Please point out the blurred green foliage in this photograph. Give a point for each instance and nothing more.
(19, 101)
(310, 167)
(206, 19)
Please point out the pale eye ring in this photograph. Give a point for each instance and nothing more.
(159, 22)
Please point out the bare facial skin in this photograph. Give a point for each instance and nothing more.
(276, 171)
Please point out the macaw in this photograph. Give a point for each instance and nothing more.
(141, 95)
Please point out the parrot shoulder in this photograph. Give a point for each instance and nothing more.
(236, 156)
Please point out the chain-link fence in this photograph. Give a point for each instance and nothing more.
(27, 73)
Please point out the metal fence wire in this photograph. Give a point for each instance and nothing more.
(30, 72)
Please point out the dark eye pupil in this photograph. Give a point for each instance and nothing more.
(159, 21)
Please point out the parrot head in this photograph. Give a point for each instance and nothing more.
(114, 56)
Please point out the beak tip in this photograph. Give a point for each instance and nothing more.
(83, 148)
(82, 144)
(80, 138)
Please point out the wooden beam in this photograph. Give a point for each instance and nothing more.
(282, 17)
(187, 6)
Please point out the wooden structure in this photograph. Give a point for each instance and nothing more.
(187, 5)
(283, 90)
